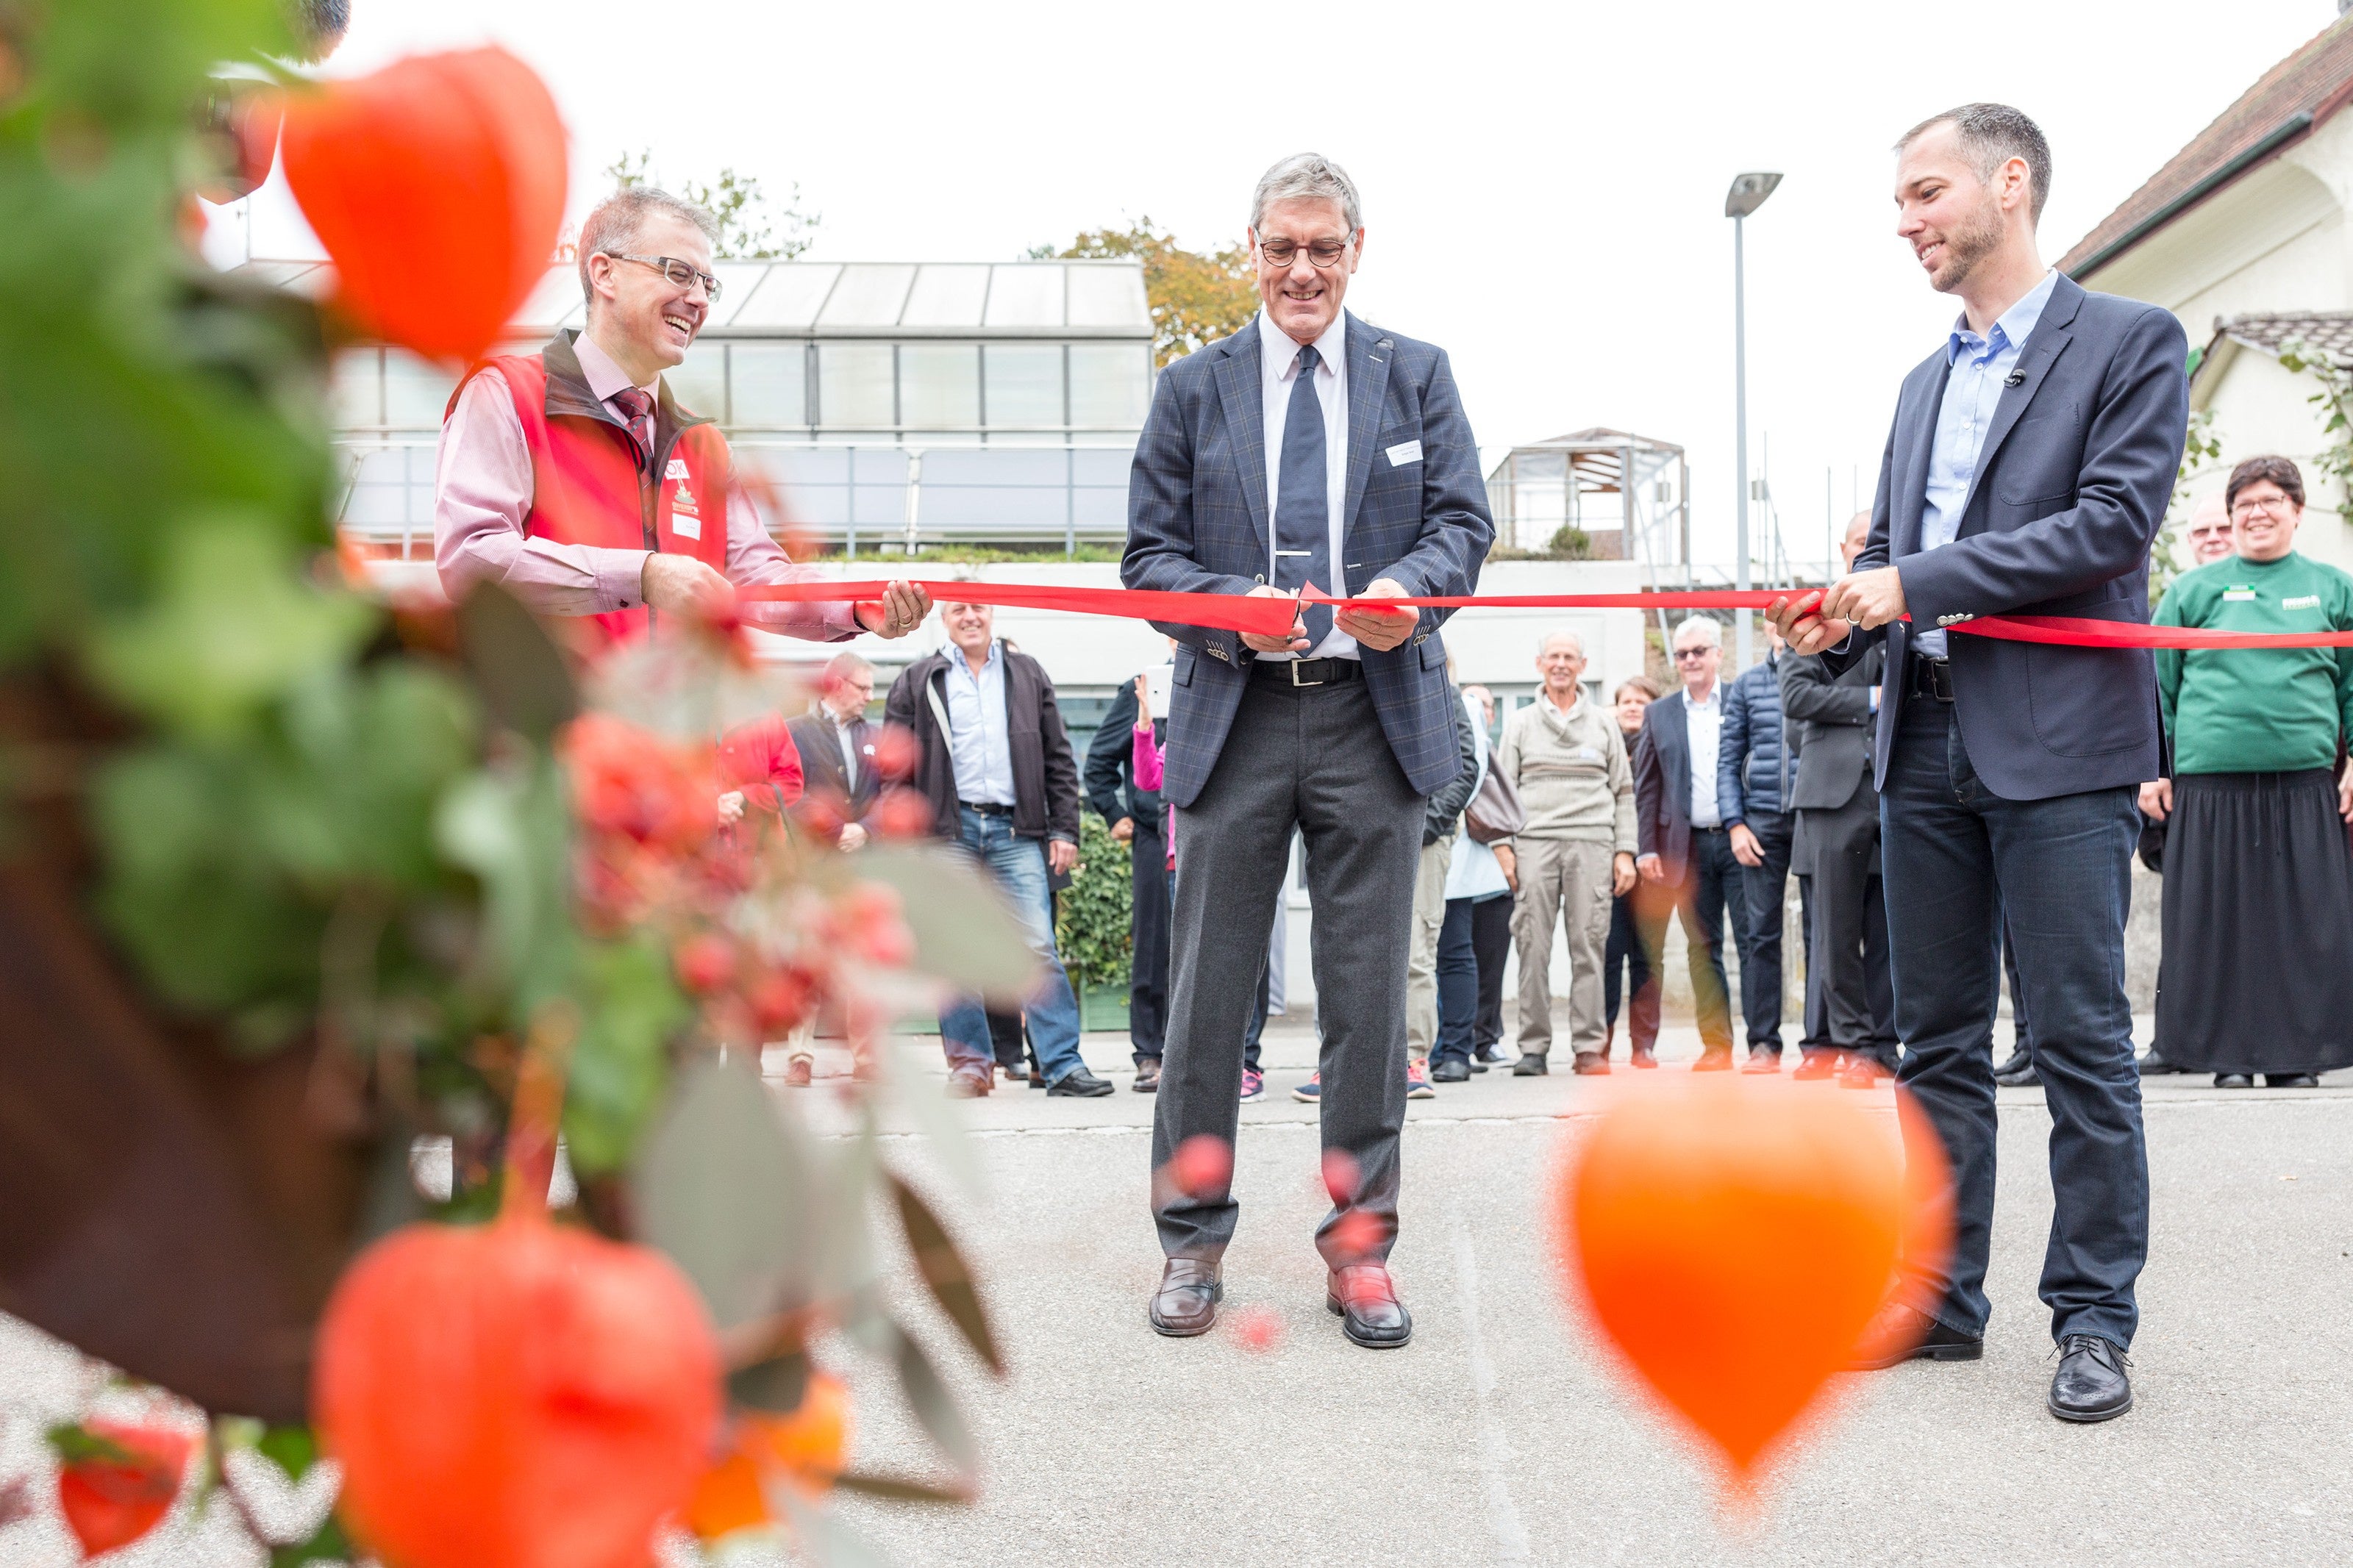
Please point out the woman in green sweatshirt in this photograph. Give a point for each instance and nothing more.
(2257, 976)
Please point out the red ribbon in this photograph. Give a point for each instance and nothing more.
(1271, 615)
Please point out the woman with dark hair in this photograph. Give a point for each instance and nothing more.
(2258, 871)
(1623, 961)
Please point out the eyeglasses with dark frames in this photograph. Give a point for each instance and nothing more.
(681, 274)
(1322, 253)
(1700, 652)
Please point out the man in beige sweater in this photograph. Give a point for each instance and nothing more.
(1569, 761)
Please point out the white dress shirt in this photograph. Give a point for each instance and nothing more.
(979, 747)
(848, 754)
(1703, 722)
(1973, 387)
(1279, 367)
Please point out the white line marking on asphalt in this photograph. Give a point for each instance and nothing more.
(1494, 1448)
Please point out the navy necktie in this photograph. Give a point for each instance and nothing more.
(1303, 510)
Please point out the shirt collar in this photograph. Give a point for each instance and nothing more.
(1277, 350)
(956, 657)
(2010, 329)
(1714, 697)
(603, 372)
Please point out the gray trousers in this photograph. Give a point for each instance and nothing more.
(1313, 759)
(1567, 881)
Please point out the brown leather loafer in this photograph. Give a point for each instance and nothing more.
(970, 1083)
(1364, 1297)
(1186, 1302)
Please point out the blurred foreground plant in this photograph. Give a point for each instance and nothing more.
(289, 881)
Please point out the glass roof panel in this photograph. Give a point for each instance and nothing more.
(1108, 297)
(869, 294)
(1025, 294)
(737, 279)
(788, 297)
(947, 296)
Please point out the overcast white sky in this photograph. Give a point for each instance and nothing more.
(1543, 185)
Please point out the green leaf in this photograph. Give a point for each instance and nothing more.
(293, 1449)
(725, 1189)
(778, 1384)
(513, 829)
(331, 1543)
(946, 1273)
(965, 932)
(934, 1405)
(631, 1008)
(514, 665)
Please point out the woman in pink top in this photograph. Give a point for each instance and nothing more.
(1147, 760)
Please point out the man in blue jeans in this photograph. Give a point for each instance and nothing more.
(995, 762)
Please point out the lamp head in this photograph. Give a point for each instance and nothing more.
(1748, 193)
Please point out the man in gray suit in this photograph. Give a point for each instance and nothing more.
(1307, 449)
(1849, 1002)
(2032, 459)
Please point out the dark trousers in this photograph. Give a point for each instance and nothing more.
(1625, 952)
(1762, 897)
(1309, 759)
(1959, 861)
(1265, 989)
(1850, 999)
(1708, 893)
(1465, 975)
(1147, 985)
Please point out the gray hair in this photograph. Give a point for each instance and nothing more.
(1711, 632)
(1544, 642)
(842, 665)
(1306, 177)
(612, 228)
(1992, 134)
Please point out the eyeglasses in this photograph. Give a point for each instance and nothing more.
(1684, 653)
(1322, 253)
(681, 274)
(2277, 505)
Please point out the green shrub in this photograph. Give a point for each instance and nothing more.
(1092, 933)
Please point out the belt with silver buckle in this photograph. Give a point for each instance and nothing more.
(1308, 671)
(1932, 678)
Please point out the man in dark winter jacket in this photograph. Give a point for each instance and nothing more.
(993, 759)
(1756, 766)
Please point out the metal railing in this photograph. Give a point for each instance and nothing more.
(859, 496)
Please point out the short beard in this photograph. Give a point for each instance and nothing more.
(1966, 246)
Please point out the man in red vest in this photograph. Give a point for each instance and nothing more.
(570, 479)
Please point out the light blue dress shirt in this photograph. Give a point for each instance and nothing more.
(977, 743)
(1973, 389)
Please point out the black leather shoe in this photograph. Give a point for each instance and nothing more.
(1531, 1065)
(1762, 1061)
(1817, 1065)
(1078, 1083)
(1589, 1063)
(2018, 1072)
(1148, 1076)
(1450, 1069)
(2091, 1384)
(1901, 1332)
(1713, 1061)
(2290, 1081)
(1864, 1071)
(2154, 1065)
(1186, 1302)
(2235, 1081)
(1643, 1056)
(1364, 1297)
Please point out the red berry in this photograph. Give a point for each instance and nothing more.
(1340, 1176)
(780, 999)
(1258, 1328)
(902, 813)
(109, 1500)
(705, 962)
(895, 749)
(1204, 1165)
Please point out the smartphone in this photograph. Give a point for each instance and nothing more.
(1159, 680)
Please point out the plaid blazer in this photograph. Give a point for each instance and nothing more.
(1197, 523)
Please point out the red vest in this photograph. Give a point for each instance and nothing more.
(587, 486)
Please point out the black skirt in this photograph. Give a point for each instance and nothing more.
(2257, 973)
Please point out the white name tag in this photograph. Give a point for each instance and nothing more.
(2239, 595)
(2301, 602)
(1405, 452)
(686, 525)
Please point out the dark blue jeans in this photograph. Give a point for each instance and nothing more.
(1019, 866)
(1959, 860)
(1460, 988)
(1763, 901)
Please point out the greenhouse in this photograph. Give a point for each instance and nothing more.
(986, 403)
(1598, 494)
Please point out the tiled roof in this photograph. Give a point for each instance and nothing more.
(2330, 331)
(2293, 97)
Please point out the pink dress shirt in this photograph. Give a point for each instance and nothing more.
(482, 492)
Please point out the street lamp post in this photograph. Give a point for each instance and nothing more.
(1747, 194)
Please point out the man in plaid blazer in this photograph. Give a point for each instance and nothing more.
(1308, 448)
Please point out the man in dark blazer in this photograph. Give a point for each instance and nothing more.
(1850, 998)
(1680, 841)
(1136, 818)
(837, 745)
(1308, 448)
(2031, 462)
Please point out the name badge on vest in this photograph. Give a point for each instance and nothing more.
(685, 516)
